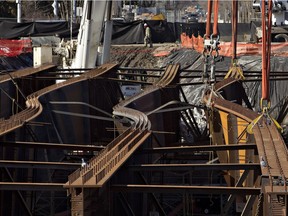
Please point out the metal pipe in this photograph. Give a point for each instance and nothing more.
(19, 11)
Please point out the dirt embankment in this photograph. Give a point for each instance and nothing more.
(138, 56)
(134, 56)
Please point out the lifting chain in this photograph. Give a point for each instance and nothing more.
(259, 204)
(212, 69)
(211, 50)
(205, 69)
(211, 91)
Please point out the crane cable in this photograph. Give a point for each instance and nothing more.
(214, 40)
(208, 23)
(234, 28)
(266, 49)
(215, 23)
(207, 44)
(235, 69)
(266, 54)
(211, 42)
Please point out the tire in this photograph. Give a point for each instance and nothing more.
(281, 38)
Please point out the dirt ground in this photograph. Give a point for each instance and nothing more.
(138, 56)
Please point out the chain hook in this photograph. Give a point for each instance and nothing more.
(214, 51)
(211, 49)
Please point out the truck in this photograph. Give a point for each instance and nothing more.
(279, 19)
(191, 17)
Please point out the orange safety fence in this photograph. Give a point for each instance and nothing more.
(13, 48)
(197, 43)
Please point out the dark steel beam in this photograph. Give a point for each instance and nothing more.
(186, 157)
(83, 115)
(38, 164)
(45, 78)
(22, 199)
(51, 145)
(179, 107)
(25, 72)
(177, 149)
(24, 186)
(225, 72)
(137, 74)
(232, 198)
(178, 167)
(73, 69)
(142, 69)
(187, 84)
(127, 81)
(81, 104)
(62, 74)
(246, 80)
(186, 70)
(249, 205)
(205, 141)
(126, 205)
(223, 75)
(185, 189)
(156, 201)
(194, 124)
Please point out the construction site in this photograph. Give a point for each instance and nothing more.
(195, 124)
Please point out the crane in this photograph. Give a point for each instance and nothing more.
(90, 33)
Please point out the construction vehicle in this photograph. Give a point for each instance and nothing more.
(279, 19)
(96, 17)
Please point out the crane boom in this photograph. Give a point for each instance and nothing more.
(89, 36)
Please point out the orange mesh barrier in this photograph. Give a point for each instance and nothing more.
(12, 48)
(197, 43)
